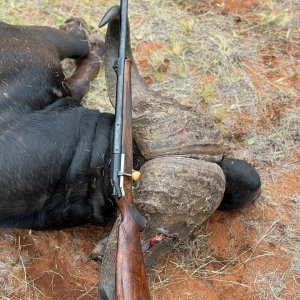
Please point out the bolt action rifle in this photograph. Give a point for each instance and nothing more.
(131, 277)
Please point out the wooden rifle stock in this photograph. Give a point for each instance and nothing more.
(131, 277)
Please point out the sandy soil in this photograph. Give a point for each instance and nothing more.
(238, 61)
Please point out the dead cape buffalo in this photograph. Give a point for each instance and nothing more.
(55, 154)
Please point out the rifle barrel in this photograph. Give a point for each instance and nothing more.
(117, 143)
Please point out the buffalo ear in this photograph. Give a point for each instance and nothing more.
(242, 184)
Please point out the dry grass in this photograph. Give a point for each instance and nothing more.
(13, 279)
(229, 66)
(198, 256)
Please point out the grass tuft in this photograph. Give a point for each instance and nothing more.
(238, 66)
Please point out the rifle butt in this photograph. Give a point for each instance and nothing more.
(131, 277)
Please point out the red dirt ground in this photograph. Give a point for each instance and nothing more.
(252, 247)
(239, 7)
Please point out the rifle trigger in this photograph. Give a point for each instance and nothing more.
(116, 67)
(135, 185)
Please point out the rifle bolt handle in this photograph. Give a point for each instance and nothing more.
(136, 175)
